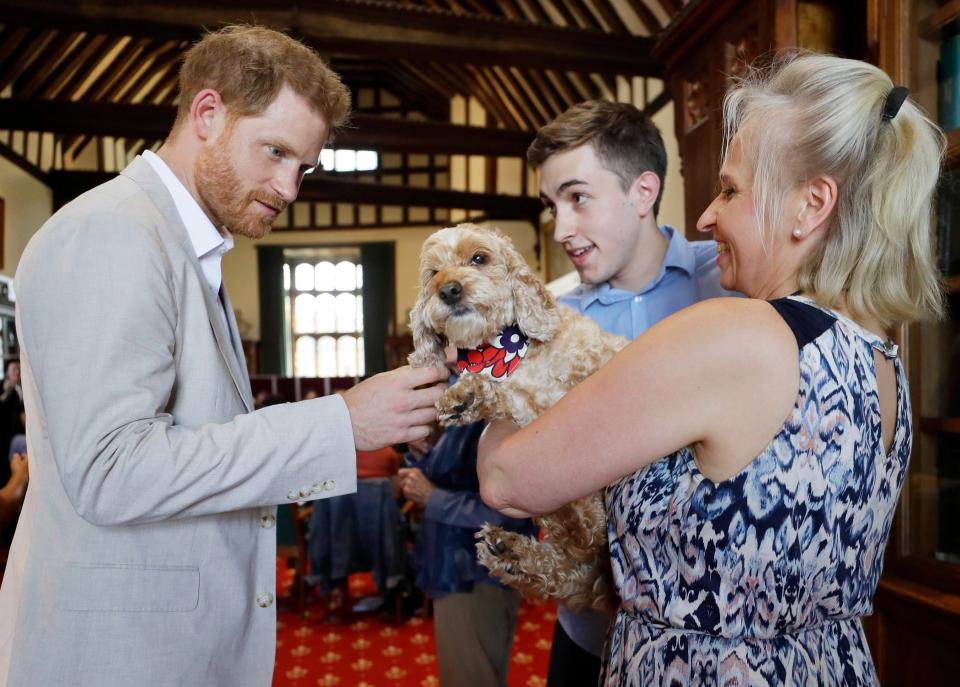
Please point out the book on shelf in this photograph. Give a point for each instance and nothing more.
(948, 75)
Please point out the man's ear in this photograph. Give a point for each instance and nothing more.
(643, 193)
(207, 114)
(818, 200)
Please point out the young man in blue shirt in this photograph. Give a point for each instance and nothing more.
(602, 166)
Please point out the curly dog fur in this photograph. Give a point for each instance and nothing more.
(495, 288)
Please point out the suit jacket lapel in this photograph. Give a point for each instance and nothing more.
(244, 387)
(142, 173)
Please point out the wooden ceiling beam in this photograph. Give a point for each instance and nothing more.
(123, 68)
(320, 188)
(562, 87)
(477, 7)
(11, 38)
(671, 7)
(26, 82)
(532, 95)
(153, 122)
(540, 16)
(353, 27)
(610, 16)
(79, 70)
(164, 60)
(561, 7)
(483, 75)
(582, 89)
(438, 86)
(415, 93)
(8, 153)
(583, 14)
(496, 112)
(547, 92)
(487, 97)
(510, 10)
(646, 17)
(21, 59)
(48, 84)
(530, 118)
(164, 90)
(658, 103)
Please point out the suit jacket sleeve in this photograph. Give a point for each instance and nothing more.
(100, 323)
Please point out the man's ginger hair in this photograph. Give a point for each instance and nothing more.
(249, 65)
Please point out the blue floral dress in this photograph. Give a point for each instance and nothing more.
(762, 578)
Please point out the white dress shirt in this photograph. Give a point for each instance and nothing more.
(208, 243)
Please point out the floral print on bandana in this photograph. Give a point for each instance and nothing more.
(497, 359)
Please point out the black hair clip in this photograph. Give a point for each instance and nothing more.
(893, 102)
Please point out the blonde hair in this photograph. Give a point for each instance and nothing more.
(809, 115)
(249, 65)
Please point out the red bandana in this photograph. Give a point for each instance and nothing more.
(497, 359)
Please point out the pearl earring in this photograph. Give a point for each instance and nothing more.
(797, 232)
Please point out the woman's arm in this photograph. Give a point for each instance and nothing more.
(720, 376)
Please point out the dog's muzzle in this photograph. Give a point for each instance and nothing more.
(451, 292)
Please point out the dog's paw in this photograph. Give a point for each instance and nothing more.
(456, 408)
(498, 551)
(463, 403)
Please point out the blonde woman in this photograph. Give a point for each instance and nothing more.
(755, 448)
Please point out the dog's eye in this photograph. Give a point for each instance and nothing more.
(478, 259)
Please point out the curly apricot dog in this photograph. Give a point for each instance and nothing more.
(520, 353)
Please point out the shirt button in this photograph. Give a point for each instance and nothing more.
(638, 298)
(267, 521)
(264, 600)
(329, 485)
(316, 488)
(293, 494)
(304, 491)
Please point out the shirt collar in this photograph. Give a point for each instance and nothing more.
(679, 256)
(203, 235)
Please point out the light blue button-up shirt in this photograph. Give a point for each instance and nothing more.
(688, 274)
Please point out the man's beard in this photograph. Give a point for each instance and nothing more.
(221, 191)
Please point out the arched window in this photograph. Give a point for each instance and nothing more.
(303, 277)
(304, 319)
(324, 311)
(306, 357)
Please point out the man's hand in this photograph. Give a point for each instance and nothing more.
(389, 409)
(415, 486)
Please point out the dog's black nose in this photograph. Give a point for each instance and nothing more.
(451, 292)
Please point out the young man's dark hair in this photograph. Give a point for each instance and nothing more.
(624, 139)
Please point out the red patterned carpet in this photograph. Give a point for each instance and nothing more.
(369, 651)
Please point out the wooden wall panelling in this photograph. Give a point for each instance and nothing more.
(708, 42)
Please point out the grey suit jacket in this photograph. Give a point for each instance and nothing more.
(146, 548)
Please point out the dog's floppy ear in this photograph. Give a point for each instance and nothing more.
(427, 344)
(538, 314)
